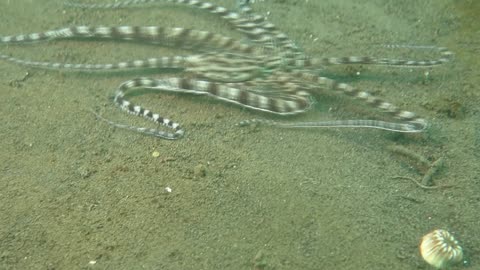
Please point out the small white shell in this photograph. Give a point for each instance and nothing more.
(440, 249)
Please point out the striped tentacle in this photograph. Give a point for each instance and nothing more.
(166, 36)
(165, 62)
(140, 111)
(296, 102)
(237, 73)
(254, 26)
(410, 122)
(445, 56)
(177, 37)
(260, 31)
(226, 67)
(292, 102)
(383, 125)
(268, 37)
(26, 38)
(116, 5)
(220, 67)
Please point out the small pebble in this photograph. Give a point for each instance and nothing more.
(199, 171)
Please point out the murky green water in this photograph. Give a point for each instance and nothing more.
(76, 193)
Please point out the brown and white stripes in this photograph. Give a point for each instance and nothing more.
(288, 104)
(268, 73)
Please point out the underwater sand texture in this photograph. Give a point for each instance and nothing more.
(76, 193)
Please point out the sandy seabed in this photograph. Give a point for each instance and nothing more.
(76, 193)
